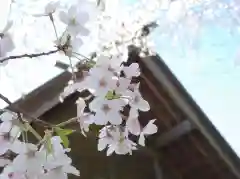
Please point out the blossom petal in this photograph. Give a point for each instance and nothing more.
(115, 118)
(80, 106)
(111, 149)
(63, 17)
(133, 126)
(82, 17)
(102, 143)
(71, 169)
(55, 174)
(141, 140)
(143, 105)
(132, 70)
(150, 128)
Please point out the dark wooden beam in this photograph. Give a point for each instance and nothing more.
(175, 133)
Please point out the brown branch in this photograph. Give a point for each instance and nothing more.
(12, 107)
(29, 55)
(5, 99)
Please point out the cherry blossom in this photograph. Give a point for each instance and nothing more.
(58, 164)
(56, 147)
(132, 70)
(107, 111)
(84, 120)
(4, 162)
(136, 100)
(122, 85)
(149, 129)
(133, 125)
(61, 172)
(8, 140)
(10, 173)
(74, 46)
(113, 64)
(9, 133)
(75, 20)
(99, 83)
(115, 140)
(122, 147)
(6, 41)
(30, 161)
(51, 7)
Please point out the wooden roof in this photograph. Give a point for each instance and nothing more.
(187, 144)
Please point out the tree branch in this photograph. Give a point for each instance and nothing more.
(29, 55)
(5, 99)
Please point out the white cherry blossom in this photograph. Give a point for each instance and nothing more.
(111, 64)
(58, 166)
(57, 148)
(75, 20)
(84, 120)
(132, 70)
(122, 147)
(51, 7)
(61, 172)
(9, 141)
(106, 137)
(9, 133)
(10, 173)
(117, 141)
(106, 111)
(99, 83)
(122, 85)
(30, 161)
(149, 129)
(4, 162)
(133, 125)
(136, 100)
(6, 41)
(74, 45)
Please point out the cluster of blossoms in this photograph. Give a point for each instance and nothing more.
(115, 102)
(113, 94)
(110, 83)
(31, 160)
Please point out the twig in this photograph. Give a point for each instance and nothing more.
(86, 58)
(72, 69)
(29, 55)
(34, 132)
(54, 26)
(5, 99)
(71, 120)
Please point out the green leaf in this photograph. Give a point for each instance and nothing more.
(65, 140)
(111, 95)
(90, 64)
(63, 134)
(66, 131)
